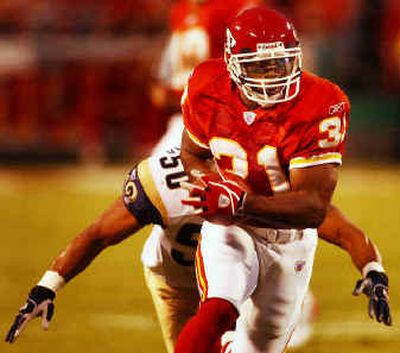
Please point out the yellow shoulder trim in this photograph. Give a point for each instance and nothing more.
(304, 162)
(197, 140)
(146, 179)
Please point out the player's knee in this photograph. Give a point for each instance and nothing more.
(267, 331)
(270, 326)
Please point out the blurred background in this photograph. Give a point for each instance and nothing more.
(76, 77)
(89, 83)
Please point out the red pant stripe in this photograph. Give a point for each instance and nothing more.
(201, 273)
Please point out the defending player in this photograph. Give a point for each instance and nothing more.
(281, 130)
(151, 195)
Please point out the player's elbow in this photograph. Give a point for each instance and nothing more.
(96, 235)
(316, 218)
(315, 213)
(102, 234)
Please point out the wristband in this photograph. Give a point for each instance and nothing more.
(372, 266)
(52, 280)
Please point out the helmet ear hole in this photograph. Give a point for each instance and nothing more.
(263, 56)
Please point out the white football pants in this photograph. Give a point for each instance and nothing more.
(266, 281)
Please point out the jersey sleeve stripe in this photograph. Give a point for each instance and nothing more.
(197, 141)
(150, 188)
(303, 162)
(200, 273)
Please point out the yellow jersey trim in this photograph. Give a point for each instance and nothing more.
(150, 188)
(197, 141)
(304, 162)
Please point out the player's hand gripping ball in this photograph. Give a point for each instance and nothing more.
(213, 198)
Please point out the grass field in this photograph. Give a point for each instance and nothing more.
(107, 308)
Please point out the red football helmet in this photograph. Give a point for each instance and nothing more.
(263, 56)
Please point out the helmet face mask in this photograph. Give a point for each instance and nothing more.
(267, 71)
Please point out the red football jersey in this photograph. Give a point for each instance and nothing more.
(263, 144)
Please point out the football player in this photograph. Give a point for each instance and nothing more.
(258, 116)
(151, 195)
(197, 29)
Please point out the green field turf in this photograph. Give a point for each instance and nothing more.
(107, 309)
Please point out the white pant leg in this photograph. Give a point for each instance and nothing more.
(268, 318)
(304, 327)
(226, 264)
(174, 306)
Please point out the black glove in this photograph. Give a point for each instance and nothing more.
(375, 286)
(39, 303)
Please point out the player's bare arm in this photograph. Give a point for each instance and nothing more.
(113, 226)
(339, 230)
(305, 206)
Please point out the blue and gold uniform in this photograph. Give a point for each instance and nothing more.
(152, 194)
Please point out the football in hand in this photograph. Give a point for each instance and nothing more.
(238, 180)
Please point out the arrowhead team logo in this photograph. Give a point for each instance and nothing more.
(249, 117)
(230, 40)
(224, 201)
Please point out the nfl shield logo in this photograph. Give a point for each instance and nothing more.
(299, 265)
(249, 117)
